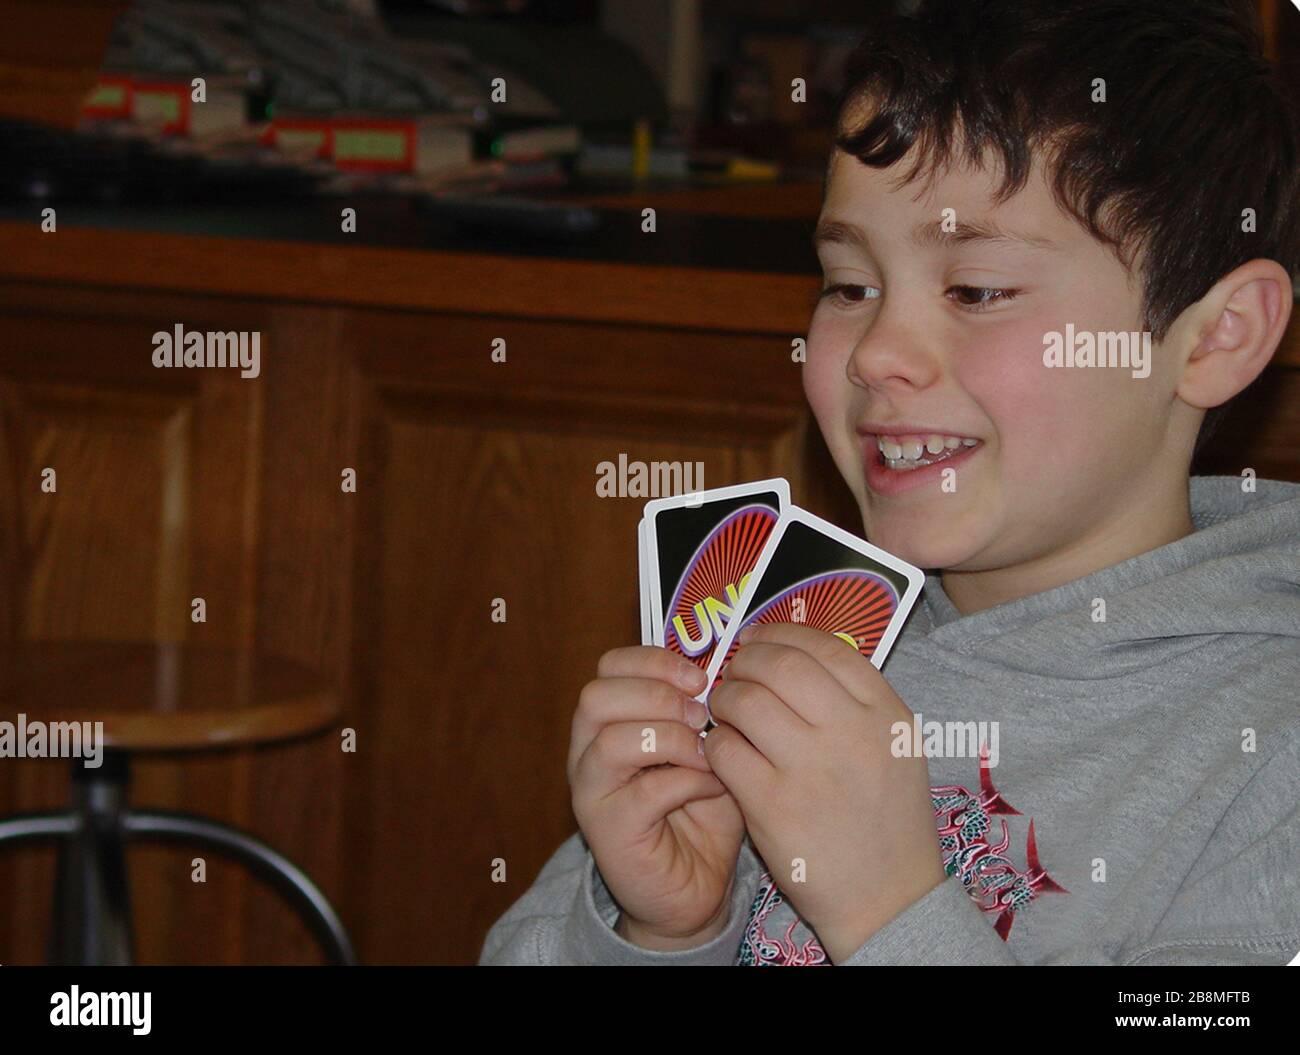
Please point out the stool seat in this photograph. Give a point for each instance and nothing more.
(165, 697)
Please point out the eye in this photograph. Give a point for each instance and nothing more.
(847, 293)
(982, 297)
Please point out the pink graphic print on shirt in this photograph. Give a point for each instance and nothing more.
(987, 875)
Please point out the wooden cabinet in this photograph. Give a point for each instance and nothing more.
(475, 481)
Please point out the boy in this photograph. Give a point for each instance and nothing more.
(1010, 175)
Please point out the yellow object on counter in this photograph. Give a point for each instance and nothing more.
(641, 149)
(744, 168)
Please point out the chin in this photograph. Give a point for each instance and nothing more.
(928, 548)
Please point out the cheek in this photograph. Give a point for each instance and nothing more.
(1041, 418)
(825, 386)
(818, 386)
(832, 399)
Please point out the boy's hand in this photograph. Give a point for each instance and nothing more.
(664, 831)
(803, 742)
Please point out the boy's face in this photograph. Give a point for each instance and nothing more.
(946, 339)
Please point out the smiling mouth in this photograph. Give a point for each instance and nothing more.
(906, 453)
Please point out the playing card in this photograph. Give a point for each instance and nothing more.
(814, 573)
(701, 548)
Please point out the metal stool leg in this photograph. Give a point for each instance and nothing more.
(91, 918)
(91, 923)
(272, 866)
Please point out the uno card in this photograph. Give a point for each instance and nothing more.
(701, 549)
(814, 573)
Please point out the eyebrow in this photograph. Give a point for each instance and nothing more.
(927, 235)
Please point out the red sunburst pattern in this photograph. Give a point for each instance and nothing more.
(854, 602)
(723, 560)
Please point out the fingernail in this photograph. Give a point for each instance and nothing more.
(697, 715)
(745, 635)
(700, 742)
(691, 678)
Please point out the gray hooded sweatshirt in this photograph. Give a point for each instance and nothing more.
(1139, 799)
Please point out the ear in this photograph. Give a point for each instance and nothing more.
(1236, 327)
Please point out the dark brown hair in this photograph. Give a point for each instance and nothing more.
(1194, 130)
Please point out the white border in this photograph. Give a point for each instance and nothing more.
(647, 619)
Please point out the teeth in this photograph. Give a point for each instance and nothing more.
(908, 452)
(909, 463)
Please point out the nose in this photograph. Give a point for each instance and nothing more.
(891, 354)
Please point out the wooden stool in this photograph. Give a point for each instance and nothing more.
(154, 698)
